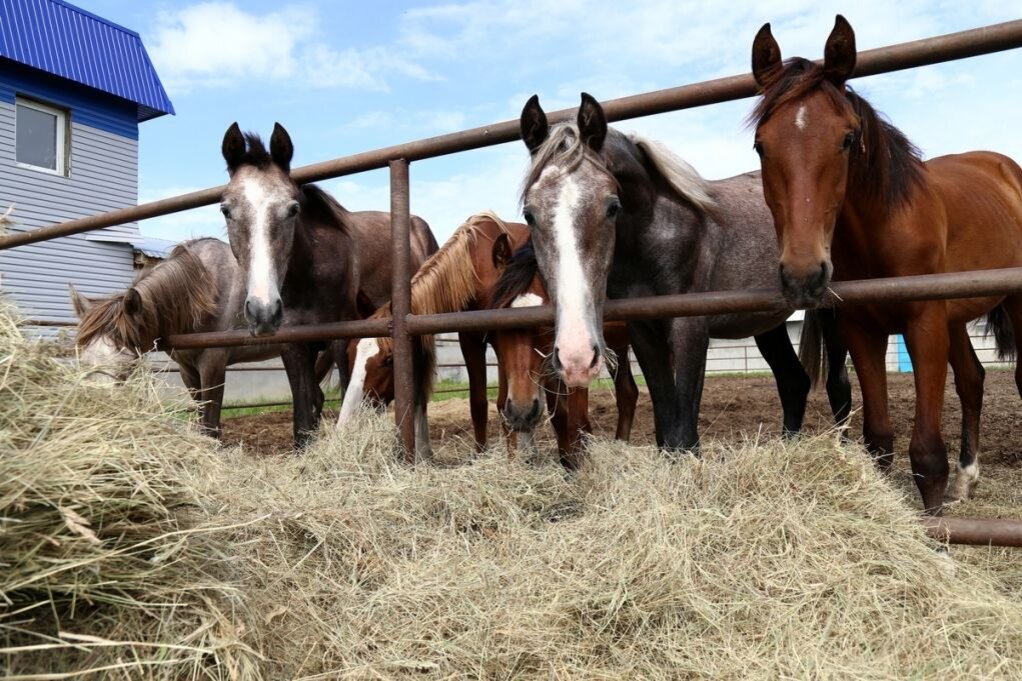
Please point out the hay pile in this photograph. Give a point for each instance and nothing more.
(760, 561)
(100, 567)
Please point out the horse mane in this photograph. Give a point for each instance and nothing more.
(446, 282)
(564, 147)
(517, 277)
(319, 206)
(882, 162)
(176, 296)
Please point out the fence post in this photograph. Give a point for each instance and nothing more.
(400, 303)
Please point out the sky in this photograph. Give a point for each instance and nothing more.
(345, 77)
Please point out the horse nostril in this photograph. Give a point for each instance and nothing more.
(596, 356)
(557, 359)
(534, 412)
(278, 311)
(248, 309)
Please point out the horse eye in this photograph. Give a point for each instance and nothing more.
(758, 147)
(226, 211)
(388, 360)
(613, 208)
(292, 209)
(847, 144)
(530, 219)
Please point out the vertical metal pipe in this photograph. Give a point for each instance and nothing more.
(400, 303)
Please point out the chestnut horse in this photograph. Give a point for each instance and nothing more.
(852, 199)
(620, 216)
(302, 257)
(523, 354)
(458, 277)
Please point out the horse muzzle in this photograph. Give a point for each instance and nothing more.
(522, 418)
(805, 287)
(264, 317)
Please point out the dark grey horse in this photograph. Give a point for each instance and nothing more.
(623, 215)
(302, 257)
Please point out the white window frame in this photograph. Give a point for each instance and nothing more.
(62, 129)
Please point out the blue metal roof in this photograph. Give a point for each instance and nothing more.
(59, 38)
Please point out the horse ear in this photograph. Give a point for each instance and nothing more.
(364, 305)
(281, 149)
(233, 147)
(501, 251)
(839, 54)
(533, 124)
(132, 303)
(766, 56)
(592, 122)
(79, 303)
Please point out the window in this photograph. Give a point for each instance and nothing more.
(41, 132)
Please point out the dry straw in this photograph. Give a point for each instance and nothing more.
(763, 560)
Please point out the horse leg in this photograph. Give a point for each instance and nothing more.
(793, 382)
(969, 375)
(626, 394)
(212, 375)
(423, 446)
(839, 388)
(690, 340)
(869, 349)
(339, 351)
(1013, 308)
(577, 424)
(557, 404)
(473, 349)
(649, 341)
(926, 337)
(300, 364)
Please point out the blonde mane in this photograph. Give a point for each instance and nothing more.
(446, 282)
(175, 296)
(685, 179)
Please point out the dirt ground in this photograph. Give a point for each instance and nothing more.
(747, 406)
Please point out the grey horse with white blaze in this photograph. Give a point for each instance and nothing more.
(621, 215)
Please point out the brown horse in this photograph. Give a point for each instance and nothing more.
(523, 354)
(302, 257)
(189, 292)
(458, 277)
(852, 199)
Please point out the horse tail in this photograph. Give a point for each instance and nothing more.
(810, 348)
(999, 324)
(324, 364)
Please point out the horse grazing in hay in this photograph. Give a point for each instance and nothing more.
(302, 257)
(623, 215)
(189, 292)
(522, 354)
(457, 277)
(852, 199)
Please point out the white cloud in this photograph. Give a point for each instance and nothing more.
(190, 224)
(421, 122)
(217, 44)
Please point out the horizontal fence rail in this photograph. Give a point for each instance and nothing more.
(970, 43)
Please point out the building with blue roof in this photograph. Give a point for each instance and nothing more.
(73, 89)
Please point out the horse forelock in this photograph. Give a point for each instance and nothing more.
(564, 150)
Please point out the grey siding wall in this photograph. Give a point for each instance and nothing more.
(103, 176)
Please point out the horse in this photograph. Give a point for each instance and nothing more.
(459, 276)
(620, 216)
(851, 198)
(189, 292)
(522, 355)
(303, 257)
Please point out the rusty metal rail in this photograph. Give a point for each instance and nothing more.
(975, 531)
(970, 43)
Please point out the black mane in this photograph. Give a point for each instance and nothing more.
(517, 278)
(319, 206)
(255, 152)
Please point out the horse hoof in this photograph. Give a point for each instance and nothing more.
(964, 485)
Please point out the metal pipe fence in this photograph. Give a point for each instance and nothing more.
(934, 50)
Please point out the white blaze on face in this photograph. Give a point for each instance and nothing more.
(262, 280)
(105, 358)
(574, 300)
(527, 300)
(800, 117)
(353, 396)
